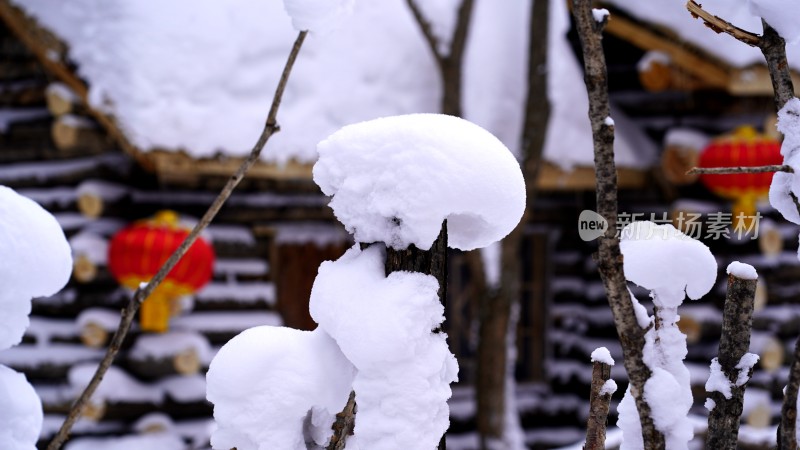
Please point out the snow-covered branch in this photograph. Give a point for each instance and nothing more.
(723, 420)
(270, 128)
(603, 387)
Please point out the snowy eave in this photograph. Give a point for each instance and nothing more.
(714, 60)
(183, 139)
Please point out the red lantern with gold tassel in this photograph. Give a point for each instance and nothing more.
(139, 250)
(745, 147)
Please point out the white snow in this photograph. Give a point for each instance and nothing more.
(91, 245)
(225, 322)
(710, 404)
(396, 179)
(784, 185)
(104, 318)
(267, 381)
(318, 15)
(101, 188)
(745, 365)
(569, 140)
(687, 138)
(672, 266)
(718, 381)
(673, 15)
(742, 270)
(36, 261)
(21, 415)
(609, 387)
(652, 57)
(160, 441)
(117, 386)
(609, 121)
(149, 69)
(321, 234)
(602, 355)
(664, 260)
(383, 325)
(600, 14)
(492, 260)
(166, 345)
(781, 15)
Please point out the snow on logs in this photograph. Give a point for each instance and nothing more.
(36, 261)
(394, 181)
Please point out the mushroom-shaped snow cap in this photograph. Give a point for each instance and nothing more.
(666, 261)
(396, 179)
(36, 261)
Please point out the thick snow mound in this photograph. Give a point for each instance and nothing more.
(317, 15)
(36, 261)
(276, 387)
(384, 326)
(21, 415)
(396, 179)
(663, 259)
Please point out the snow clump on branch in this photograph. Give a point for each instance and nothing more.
(277, 387)
(396, 179)
(36, 261)
(671, 265)
(317, 15)
(383, 324)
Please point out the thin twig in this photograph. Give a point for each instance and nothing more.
(270, 128)
(719, 25)
(609, 255)
(734, 170)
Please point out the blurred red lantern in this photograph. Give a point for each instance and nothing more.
(139, 250)
(745, 147)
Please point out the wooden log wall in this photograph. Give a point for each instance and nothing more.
(54, 153)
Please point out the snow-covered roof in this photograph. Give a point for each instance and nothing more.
(673, 15)
(198, 75)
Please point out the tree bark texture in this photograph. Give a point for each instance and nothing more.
(737, 320)
(598, 408)
(774, 49)
(609, 258)
(495, 307)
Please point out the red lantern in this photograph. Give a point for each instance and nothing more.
(139, 250)
(745, 147)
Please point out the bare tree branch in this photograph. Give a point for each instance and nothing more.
(599, 403)
(270, 128)
(737, 320)
(734, 170)
(343, 425)
(609, 258)
(495, 307)
(719, 25)
(450, 62)
(427, 32)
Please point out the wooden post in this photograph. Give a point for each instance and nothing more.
(599, 403)
(737, 319)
